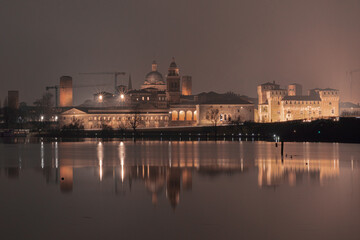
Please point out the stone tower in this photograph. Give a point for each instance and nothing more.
(13, 99)
(186, 85)
(294, 89)
(66, 91)
(173, 83)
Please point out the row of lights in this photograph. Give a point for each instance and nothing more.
(101, 97)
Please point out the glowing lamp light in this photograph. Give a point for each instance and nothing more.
(42, 118)
(100, 97)
(122, 96)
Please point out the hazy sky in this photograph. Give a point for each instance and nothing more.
(224, 45)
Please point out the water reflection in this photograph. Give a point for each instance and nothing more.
(295, 171)
(172, 167)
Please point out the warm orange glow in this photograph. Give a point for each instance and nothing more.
(181, 116)
(174, 115)
(188, 115)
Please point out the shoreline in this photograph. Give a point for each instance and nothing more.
(344, 130)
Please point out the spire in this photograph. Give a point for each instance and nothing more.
(173, 63)
(130, 83)
(154, 66)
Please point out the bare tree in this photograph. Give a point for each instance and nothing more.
(213, 116)
(135, 120)
(44, 105)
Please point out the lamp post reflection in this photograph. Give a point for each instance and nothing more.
(100, 155)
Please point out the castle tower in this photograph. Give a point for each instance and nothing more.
(66, 91)
(186, 85)
(294, 89)
(13, 99)
(173, 83)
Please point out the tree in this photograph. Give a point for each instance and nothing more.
(213, 116)
(135, 120)
(44, 105)
(76, 124)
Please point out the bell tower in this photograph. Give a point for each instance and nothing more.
(173, 83)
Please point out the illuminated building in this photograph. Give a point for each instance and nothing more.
(278, 105)
(66, 91)
(158, 103)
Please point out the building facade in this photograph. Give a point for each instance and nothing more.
(278, 105)
(158, 103)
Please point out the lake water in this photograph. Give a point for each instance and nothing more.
(179, 190)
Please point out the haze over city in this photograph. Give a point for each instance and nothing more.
(223, 45)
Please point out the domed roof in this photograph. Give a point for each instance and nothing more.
(154, 78)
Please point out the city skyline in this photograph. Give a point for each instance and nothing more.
(222, 46)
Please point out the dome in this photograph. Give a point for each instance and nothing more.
(154, 78)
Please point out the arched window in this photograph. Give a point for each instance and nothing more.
(188, 116)
(181, 116)
(195, 115)
(174, 116)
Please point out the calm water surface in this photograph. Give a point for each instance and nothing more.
(179, 190)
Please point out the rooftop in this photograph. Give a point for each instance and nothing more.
(302, 98)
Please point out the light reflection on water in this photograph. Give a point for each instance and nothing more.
(229, 179)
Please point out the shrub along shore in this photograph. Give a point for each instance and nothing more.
(342, 130)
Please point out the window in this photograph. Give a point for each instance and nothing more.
(174, 115)
(189, 115)
(147, 98)
(181, 116)
(143, 98)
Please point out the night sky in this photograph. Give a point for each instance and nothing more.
(224, 45)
